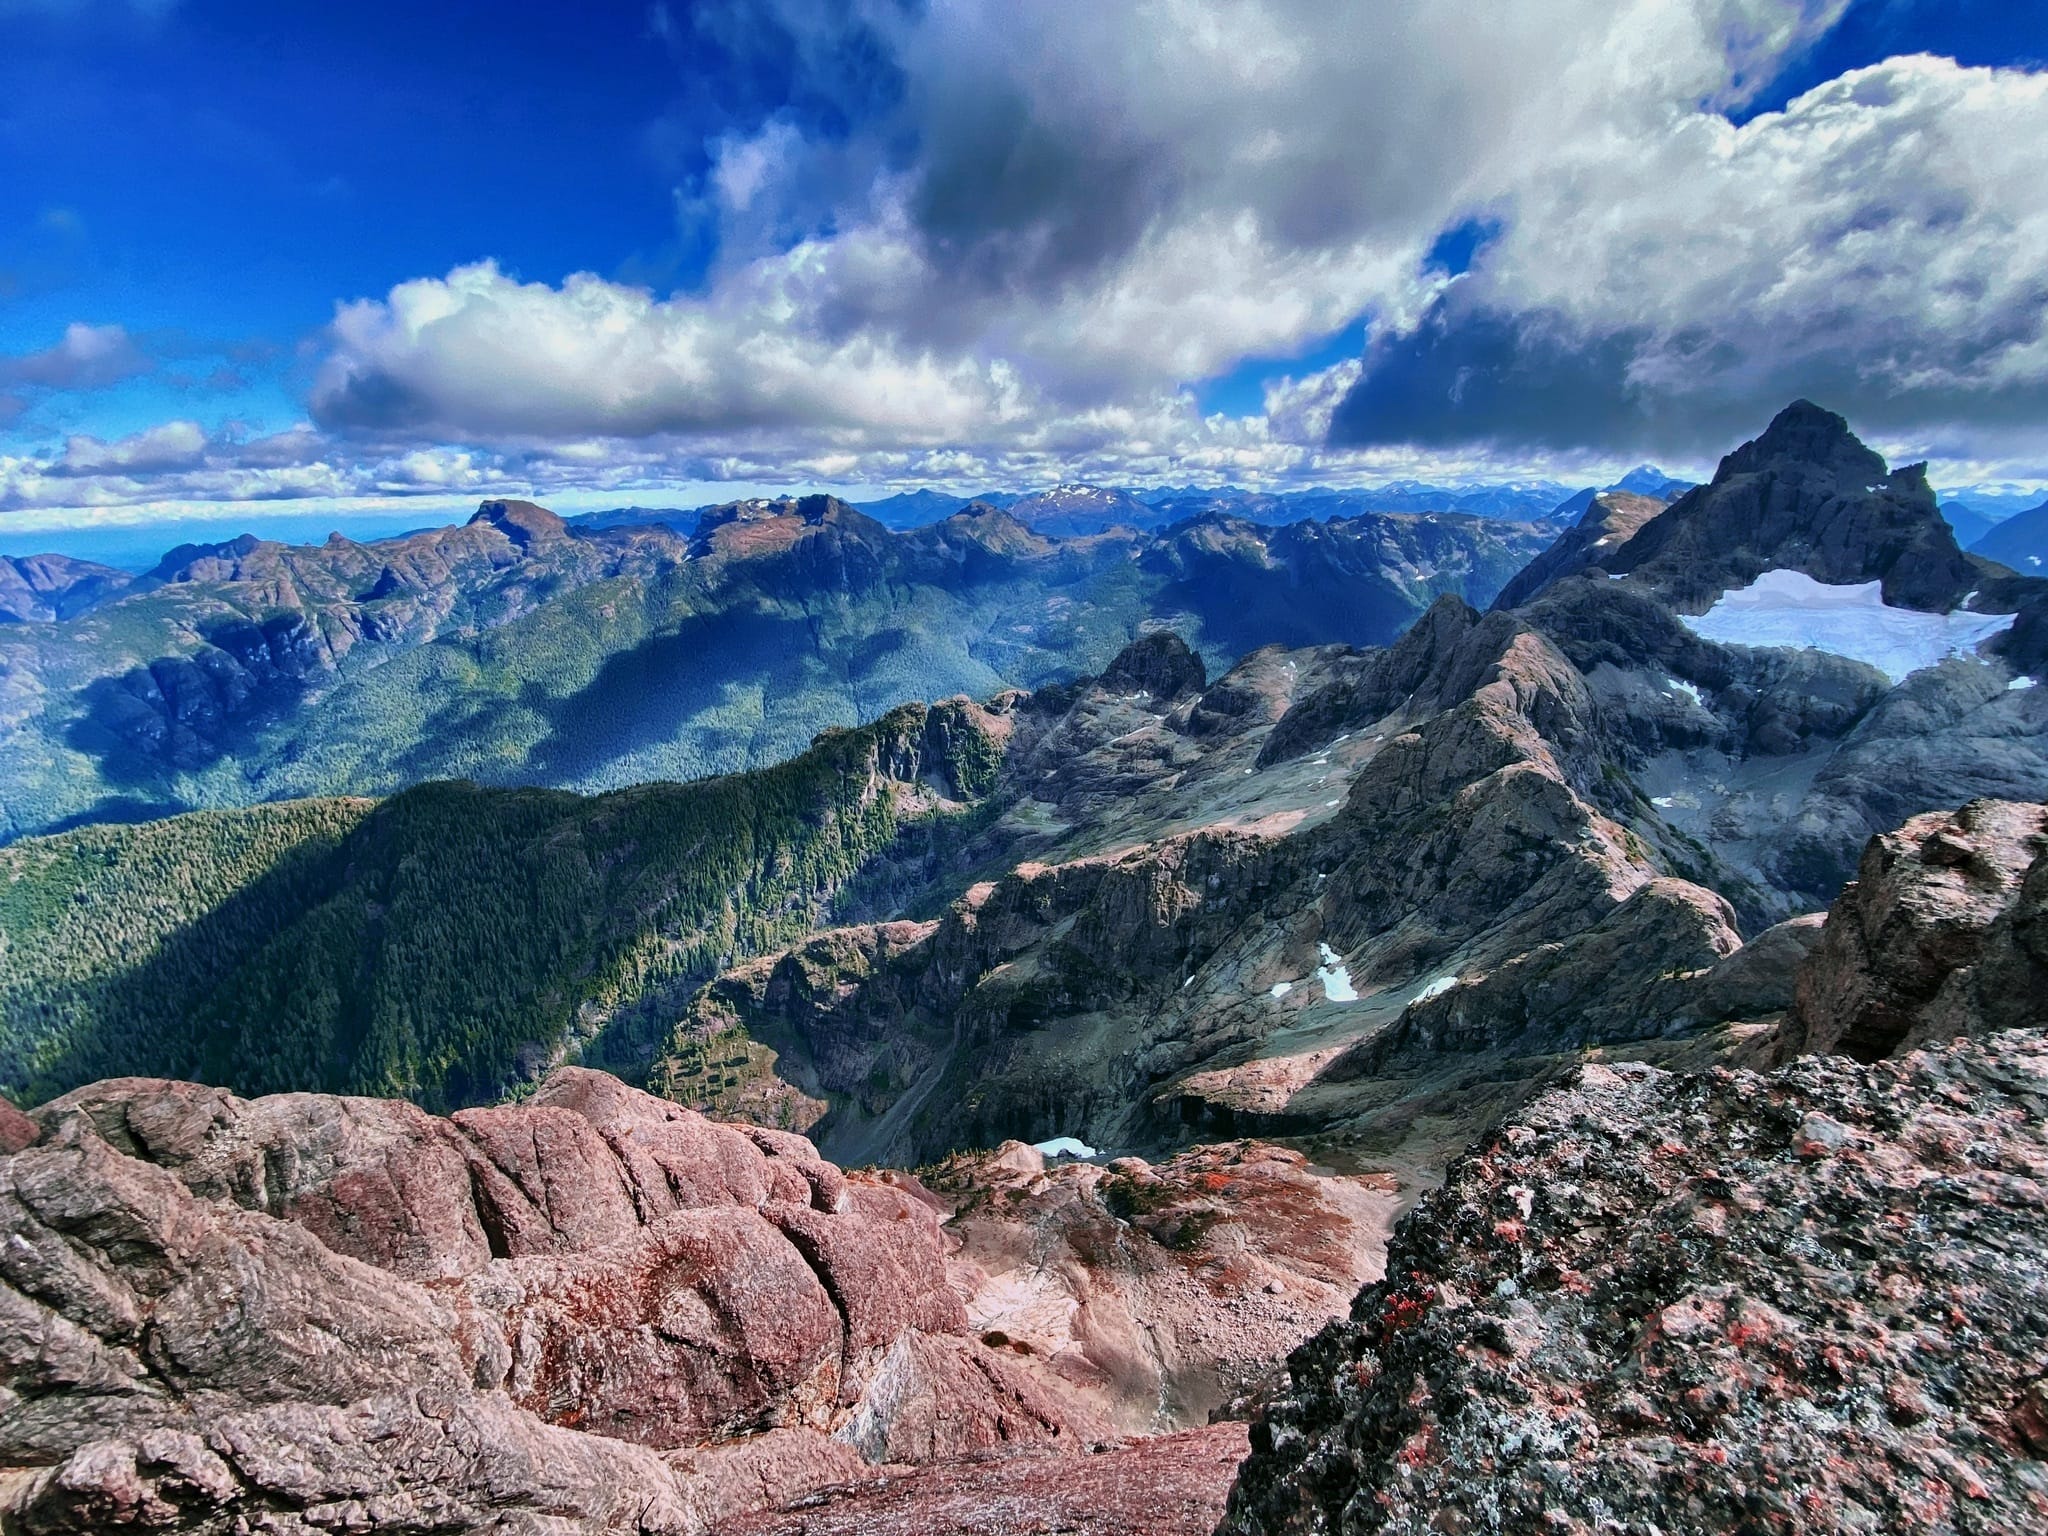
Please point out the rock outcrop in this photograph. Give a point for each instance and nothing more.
(1809, 1301)
(1160, 664)
(1163, 1293)
(1944, 932)
(1804, 495)
(1610, 521)
(302, 1312)
(1173, 1485)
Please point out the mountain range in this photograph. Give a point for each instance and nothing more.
(1582, 760)
(520, 649)
(1654, 886)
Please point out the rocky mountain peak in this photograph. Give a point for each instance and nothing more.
(523, 522)
(205, 562)
(821, 509)
(48, 587)
(1806, 495)
(1805, 434)
(1159, 664)
(1607, 523)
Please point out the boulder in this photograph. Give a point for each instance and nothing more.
(1932, 901)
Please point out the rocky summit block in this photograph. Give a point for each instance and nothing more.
(1811, 1301)
(1943, 932)
(592, 1312)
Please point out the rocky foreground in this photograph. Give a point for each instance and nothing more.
(599, 1312)
(1810, 1301)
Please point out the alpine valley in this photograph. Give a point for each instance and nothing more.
(1104, 1014)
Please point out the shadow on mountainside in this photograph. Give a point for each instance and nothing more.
(151, 1019)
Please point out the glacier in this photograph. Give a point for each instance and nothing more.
(1791, 609)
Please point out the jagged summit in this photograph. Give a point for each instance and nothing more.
(1805, 495)
(204, 562)
(1159, 664)
(1811, 435)
(523, 522)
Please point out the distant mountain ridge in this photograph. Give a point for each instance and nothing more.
(521, 647)
(2020, 542)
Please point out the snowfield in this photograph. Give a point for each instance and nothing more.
(1335, 977)
(1063, 1146)
(1791, 609)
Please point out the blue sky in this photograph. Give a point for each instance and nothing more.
(328, 255)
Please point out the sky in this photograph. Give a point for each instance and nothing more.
(273, 260)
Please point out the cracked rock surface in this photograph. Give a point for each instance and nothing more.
(596, 1312)
(1813, 1300)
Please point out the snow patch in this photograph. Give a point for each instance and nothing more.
(1675, 685)
(1063, 1146)
(1663, 802)
(1280, 989)
(1790, 609)
(2018, 683)
(1335, 977)
(1436, 988)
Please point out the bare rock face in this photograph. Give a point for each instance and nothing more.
(1159, 664)
(1170, 1486)
(305, 1312)
(1563, 994)
(1158, 1294)
(1940, 934)
(1805, 494)
(1813, 1300)
(1613, 518)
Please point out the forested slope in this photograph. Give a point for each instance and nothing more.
(450, 941)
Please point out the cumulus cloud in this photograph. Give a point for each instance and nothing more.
(86, 357)
(1875, 245)
(980, 243)
(478, 352)
(181, 462)
(1096, 203)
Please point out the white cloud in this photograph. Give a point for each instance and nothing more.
(1876, 245)
(1062, 218)
(478, 353)
(174, 445)
(1106, 203)
(85, 357)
